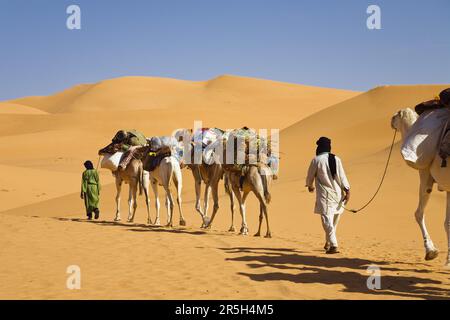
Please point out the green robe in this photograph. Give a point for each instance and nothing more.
(90, 187)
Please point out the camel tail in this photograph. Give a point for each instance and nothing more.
(265, 183)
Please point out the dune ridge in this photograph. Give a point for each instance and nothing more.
(146, 93)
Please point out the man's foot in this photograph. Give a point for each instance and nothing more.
(97, 215)
(89, 217)
(332, 250)
(327, 246)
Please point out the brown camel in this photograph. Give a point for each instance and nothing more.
(257, 179)
(133, 176)
(207, 174)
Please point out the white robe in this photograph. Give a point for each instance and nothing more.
(329, 191)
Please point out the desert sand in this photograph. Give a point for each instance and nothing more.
(45, 140)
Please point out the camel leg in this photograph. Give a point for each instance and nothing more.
(426, 185)
(261, 217)
(178, 186)
(241, 200)
(132, 201)
(119, 189)
(263, 211)
(146, 183)
(157, 203)
(215, 195)
(232, 229)
(266, 214)
(244, 228)
(447, 230)
(169, 205)
(198, 191)
(206, 200)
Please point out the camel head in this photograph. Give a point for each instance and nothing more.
(109, 149)
(403, 120)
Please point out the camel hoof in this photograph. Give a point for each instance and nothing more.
(117, 219)
(157, 223)
(257, 234)
(149, 222)
(243, 232)
(182, 223)
(169, 225)
(268, 236)
(431, 255)
(232, 229)
(206, 220)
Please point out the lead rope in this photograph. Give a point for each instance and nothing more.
(382, 179)
(98, 162)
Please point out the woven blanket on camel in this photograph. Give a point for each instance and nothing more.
(248, 148)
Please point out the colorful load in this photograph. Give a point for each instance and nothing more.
(245, 147)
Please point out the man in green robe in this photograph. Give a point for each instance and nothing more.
(130, 140)
(90, 190)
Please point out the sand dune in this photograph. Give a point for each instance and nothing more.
(120, 260)
(14, 108)
(223, 93)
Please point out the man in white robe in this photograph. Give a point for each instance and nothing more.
(333, 190)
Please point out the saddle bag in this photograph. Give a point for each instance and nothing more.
(422, 141)
(111, 161)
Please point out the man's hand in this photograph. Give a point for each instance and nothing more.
(311, 189)
(347, 197)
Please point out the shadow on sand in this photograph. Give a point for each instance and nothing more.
(284, 264)
(140, 227)
(294, 266)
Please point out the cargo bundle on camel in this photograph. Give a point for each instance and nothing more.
(245, 148)
(246, 160)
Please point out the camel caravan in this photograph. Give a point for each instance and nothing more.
(425, 147)
(247, 162)
(244, 160)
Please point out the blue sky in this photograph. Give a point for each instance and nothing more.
(315, 42)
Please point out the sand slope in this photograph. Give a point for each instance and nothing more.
(118, 260)
(15, 108)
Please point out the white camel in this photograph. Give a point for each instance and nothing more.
(166, 172)
(402, 121)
